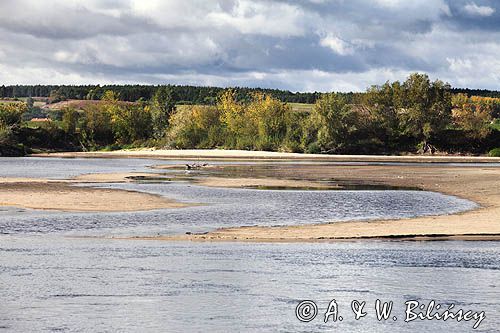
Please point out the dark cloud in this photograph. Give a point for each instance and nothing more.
(296, 44)
(476, 16)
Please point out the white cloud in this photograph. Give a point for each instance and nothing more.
(459, 65)
(337, 45)
(476, 10)
(265, 18)
(295, 44)
(422, 8)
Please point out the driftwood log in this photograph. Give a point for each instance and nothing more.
(195, 166)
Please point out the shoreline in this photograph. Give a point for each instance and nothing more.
(63, 196)
(493, 237)
(480, 184)
(220, 154)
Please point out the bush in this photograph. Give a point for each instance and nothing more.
(313, 148)
(11, 113)
(111, 147)
(5, 134)
(495, 125)
(291, 146)
(494, 152)
(195, 127)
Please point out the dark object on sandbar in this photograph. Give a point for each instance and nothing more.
(195, 166)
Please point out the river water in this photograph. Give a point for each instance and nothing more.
(53, 281)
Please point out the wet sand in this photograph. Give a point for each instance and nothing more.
(260, 183)
(479, 184)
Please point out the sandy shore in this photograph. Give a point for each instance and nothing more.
(259, 182)
(479, 184)
(62, 196)
(121, 177)
(266, 155)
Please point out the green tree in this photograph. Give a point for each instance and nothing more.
(162, 107)
(332, 121)
(30, 103)
(57, 95)
(5, 134)
(130, 122)
(11, 113)
(96, 127)
(294, 131)
(384, 103)
(69, 120)
(425, 107)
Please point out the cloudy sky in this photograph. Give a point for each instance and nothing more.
(301, 45)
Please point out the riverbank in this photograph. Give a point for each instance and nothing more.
(479, 184)
(217, 154)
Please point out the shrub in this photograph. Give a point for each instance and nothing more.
(291, 146)
(195, 127)
(11, 113)
(313, 148)
(494, 152)
(5, 133)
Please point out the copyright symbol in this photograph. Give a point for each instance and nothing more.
(306, 311)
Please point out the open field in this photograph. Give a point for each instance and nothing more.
(77, 104)
(301, 107)
(37, 101)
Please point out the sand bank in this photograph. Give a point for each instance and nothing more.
(477, 183)
(480, 184)
(62, 196)
(245, 154)
(259, 182)
(121, 177)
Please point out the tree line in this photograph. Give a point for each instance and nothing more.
(133, 93)
(396, 117)
(183, 93)
(392, 118)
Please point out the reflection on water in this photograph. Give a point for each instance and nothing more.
(130, 286)
(225, 207)
(60, 168)
(221, 207)
(50, 282)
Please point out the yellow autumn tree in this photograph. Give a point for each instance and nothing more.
(195, 126)
(267, 121)
(234, 119)
(473, 115)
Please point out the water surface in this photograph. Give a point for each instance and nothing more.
(51, 281)
(58, 284)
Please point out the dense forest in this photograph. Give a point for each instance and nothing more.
(133, 93)
(414, 116)
(184, 94)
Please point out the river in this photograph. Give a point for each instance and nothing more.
(53, 279)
